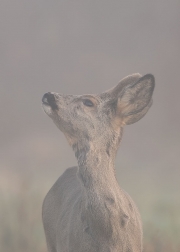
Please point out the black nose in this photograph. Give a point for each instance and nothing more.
(49, 99)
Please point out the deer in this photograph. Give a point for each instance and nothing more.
(86, 210)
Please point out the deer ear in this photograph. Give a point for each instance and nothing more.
(134, 100)
(128, 80)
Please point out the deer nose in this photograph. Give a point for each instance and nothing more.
(49, 99)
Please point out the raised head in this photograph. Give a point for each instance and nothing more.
(96, 215)
(101, 118)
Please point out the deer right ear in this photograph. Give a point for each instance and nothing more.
(134, 100)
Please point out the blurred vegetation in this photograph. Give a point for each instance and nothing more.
(21, 223)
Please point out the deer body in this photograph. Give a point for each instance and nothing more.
(86, 210)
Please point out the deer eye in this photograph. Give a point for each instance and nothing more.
(88, 103)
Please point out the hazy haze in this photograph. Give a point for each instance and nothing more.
(87, 47)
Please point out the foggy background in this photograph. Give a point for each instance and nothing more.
(78, 47)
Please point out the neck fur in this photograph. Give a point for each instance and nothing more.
(100, 188)
(96, 163)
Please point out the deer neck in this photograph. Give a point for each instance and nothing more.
(102, 202)
(96, 170)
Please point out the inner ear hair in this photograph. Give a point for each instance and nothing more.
(128, 80)
(136, 99)
(137, 116)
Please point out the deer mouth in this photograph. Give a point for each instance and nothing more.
(49, 100)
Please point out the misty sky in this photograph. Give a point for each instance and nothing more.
(87, 47)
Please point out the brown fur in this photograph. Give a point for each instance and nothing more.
(86, 210)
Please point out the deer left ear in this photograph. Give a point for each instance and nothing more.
(135, 99)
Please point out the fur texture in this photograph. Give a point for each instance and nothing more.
(86, 210)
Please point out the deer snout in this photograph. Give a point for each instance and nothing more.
(49, 100)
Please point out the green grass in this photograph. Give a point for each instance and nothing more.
(20, 215)
(21, 227)
(162, 228)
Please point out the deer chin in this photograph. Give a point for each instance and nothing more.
(47, 109)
